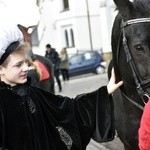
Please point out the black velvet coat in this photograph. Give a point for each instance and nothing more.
(37, 120)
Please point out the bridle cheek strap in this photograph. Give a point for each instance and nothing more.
(140, 85)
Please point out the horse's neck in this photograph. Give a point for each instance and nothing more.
(131, 92)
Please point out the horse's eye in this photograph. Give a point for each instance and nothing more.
(139, 48)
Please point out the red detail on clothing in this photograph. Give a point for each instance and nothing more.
(144, 130)
(45, 73)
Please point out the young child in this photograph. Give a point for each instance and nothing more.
(34, 119)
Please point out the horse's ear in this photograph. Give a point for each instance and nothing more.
(125, 7)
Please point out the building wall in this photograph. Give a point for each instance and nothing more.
(54, 21)
(46, 31)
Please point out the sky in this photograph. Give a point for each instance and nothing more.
(24, 12)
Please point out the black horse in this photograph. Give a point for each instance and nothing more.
(131, 61)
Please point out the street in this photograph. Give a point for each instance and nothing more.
(83, 84)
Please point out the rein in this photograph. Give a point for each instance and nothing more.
(133, 102)
(140, 85)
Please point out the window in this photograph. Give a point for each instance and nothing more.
(65, 4)
(66, 37)
(76, 59)
(72, 37)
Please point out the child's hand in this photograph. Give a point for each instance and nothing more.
(112, 86)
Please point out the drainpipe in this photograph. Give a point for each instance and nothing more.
(89, 25)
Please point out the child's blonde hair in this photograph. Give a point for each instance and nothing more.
(21, 49)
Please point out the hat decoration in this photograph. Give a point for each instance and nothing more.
(10, 38)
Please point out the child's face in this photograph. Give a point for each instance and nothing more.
(16, 70)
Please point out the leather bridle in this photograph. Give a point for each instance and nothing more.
(141, 85)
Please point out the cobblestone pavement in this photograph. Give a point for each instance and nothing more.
(113, 145)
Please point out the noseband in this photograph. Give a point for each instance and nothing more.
(141, 86)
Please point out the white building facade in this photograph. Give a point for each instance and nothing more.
(75, 24)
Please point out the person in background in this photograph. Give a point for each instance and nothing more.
(34, 72)
(54, 58)
(34, 119)
(64, 64)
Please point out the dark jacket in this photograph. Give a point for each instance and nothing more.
(54, 57)
(38, 120)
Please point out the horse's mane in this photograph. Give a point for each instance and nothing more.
(114, 43)
(143, 6)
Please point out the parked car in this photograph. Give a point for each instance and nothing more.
(86, 62)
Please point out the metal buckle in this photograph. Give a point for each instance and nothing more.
(147, 97)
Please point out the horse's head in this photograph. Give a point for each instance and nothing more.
(131, 43)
